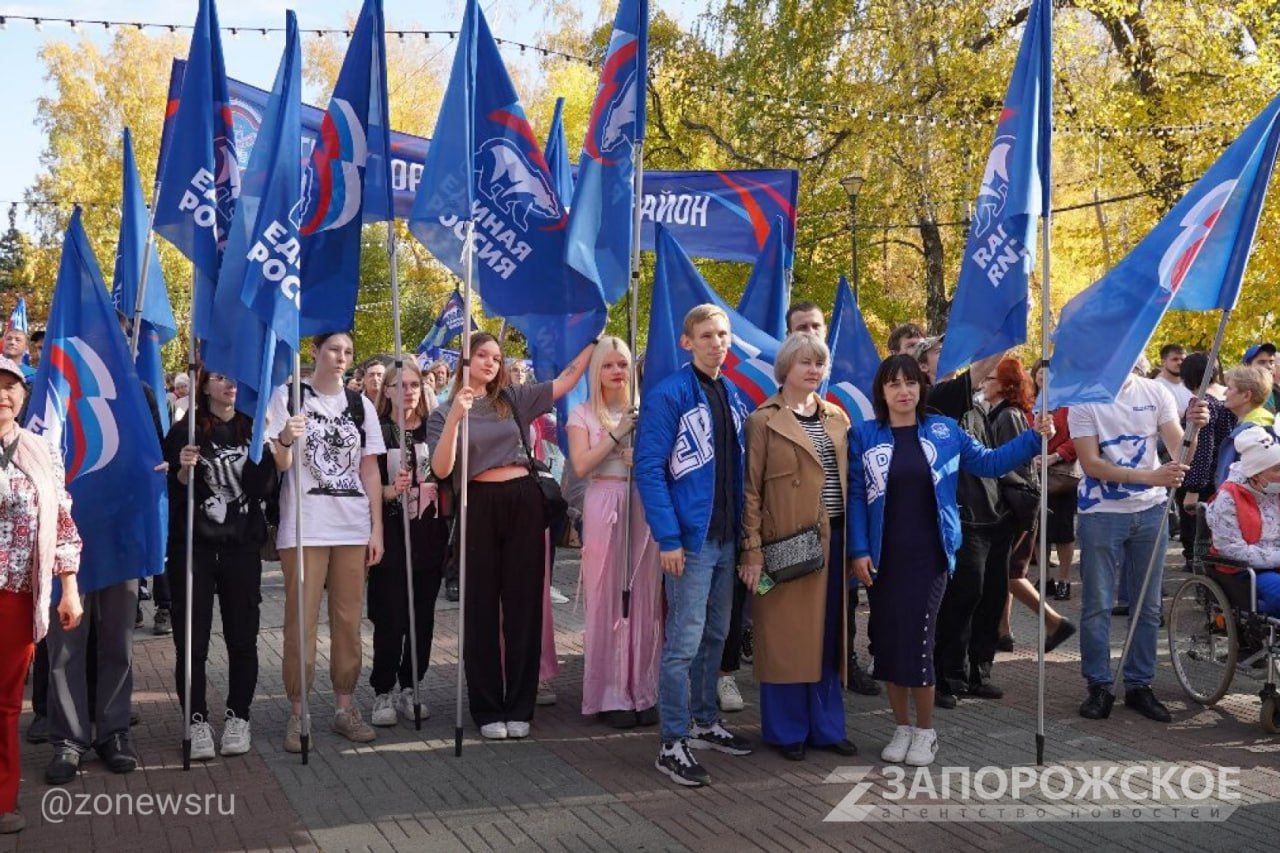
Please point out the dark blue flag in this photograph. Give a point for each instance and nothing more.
(558, 156)
(348, 180)
(600, 229)
(854, 360)
(257, 297)
(157, 326)
(18, 320)
(87, 400)
(765, 298)
(989, 313)
(447, 326)
(1194, 258)
(198, 174)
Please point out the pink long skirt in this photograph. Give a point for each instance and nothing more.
(548, 665)
(621, 656)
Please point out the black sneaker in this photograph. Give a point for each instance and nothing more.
(63, 767)
(717, 737)
(860, 681)
(1062, 592)
(985, 690)
(163, 624)
(748, 651)
(677, 761)
(1144, 701)
(1120, 610)
(118, 754)
(451, 589)
(1098, 705)
(946, 701)
(1005, 643)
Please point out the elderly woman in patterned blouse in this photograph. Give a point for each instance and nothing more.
(38, 541)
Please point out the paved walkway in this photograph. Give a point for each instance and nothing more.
(577, 785)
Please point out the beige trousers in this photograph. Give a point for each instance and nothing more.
(342, 568)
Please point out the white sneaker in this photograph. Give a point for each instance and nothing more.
(494, 731)
(728, 694)
(403, 701)
(201, 739)
(546, 694)
(236, 739)
(517, 729)
(558, 597)
(924, 746)
(897, 748)
(384, 712)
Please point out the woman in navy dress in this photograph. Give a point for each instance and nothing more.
(902, 472)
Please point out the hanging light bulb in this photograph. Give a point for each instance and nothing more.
(39, 25)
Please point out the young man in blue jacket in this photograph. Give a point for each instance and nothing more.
(688, 471)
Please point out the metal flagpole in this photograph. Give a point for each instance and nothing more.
(1046, 219)
(628, 567)
(192, 394)
(136, 326)
(404, 457)
(469, 233)
(1188, 438)
(304, 718)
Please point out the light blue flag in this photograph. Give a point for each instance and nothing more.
(989, 313)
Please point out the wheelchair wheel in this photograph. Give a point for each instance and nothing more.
(1202, 640)
(1270, 715)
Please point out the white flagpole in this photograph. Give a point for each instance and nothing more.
(136, 326)
(404, 456)
(295, 391)
(628, 568)
(1046, 218)
(192, 395)
(469, 233)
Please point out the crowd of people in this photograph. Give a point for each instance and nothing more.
(712, 534)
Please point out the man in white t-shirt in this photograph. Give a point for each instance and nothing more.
(1170, 375)
(1120, 520)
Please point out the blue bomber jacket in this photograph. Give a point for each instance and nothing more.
(948, 449)
(674, 460)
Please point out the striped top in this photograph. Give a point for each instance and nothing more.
(832, 500)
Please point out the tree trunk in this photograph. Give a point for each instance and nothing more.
(937, 306)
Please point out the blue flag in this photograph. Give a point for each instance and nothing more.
(765, 298)
(87, 400)
(257, 296)
(677, 282)
(198, 174)
(485, 165)
(854, 360)
(18, 316)
(1194, 258)
(348, 180)
(558, 156)
(157, 326)
(989, 313)
(599, 241)
(448, 324)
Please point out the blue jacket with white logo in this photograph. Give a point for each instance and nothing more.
(948, 449)
(674, 460)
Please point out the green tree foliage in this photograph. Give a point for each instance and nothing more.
(15, 279)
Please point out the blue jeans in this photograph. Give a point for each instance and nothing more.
(1117, 545)
(698, 604)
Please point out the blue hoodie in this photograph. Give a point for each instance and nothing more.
(948, 449)
(674, 463)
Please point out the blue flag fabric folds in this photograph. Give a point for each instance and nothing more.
(854, 360)
(678, 284)
(989, 313)
(348, 179)
(198, 174)
(1194, 258)
(18, 316)
(557, 152)
(157, 325)
(87, 400)
(258, 289)
(448, 324)
(599, 240)
(765, 298)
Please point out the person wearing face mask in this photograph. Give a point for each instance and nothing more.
(1244, 516)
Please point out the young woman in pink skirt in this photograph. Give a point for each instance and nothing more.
(620, 673)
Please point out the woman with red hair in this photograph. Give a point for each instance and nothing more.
(1010, 393)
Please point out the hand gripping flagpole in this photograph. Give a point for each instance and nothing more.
(628, 564)
(1046, 218)
(404, 457)
(469, 234)
(192, 396)
(304, 717)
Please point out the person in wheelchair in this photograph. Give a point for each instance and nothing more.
(1244, 516)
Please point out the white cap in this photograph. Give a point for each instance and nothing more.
(1258, 449)
(8, 365)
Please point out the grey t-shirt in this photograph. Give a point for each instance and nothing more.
(494, 441)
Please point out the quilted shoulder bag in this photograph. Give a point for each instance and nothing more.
(793, 556)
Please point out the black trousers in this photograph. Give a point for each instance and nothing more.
(388, 597)
(969, 618)
(731, 657)
(234, 574)
(505, 570)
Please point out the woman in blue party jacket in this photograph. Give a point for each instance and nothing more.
(902, 470)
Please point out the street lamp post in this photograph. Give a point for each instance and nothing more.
(852, 186)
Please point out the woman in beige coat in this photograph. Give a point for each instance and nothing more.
(797, 453)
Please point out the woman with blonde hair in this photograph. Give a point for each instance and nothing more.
(621, 656)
